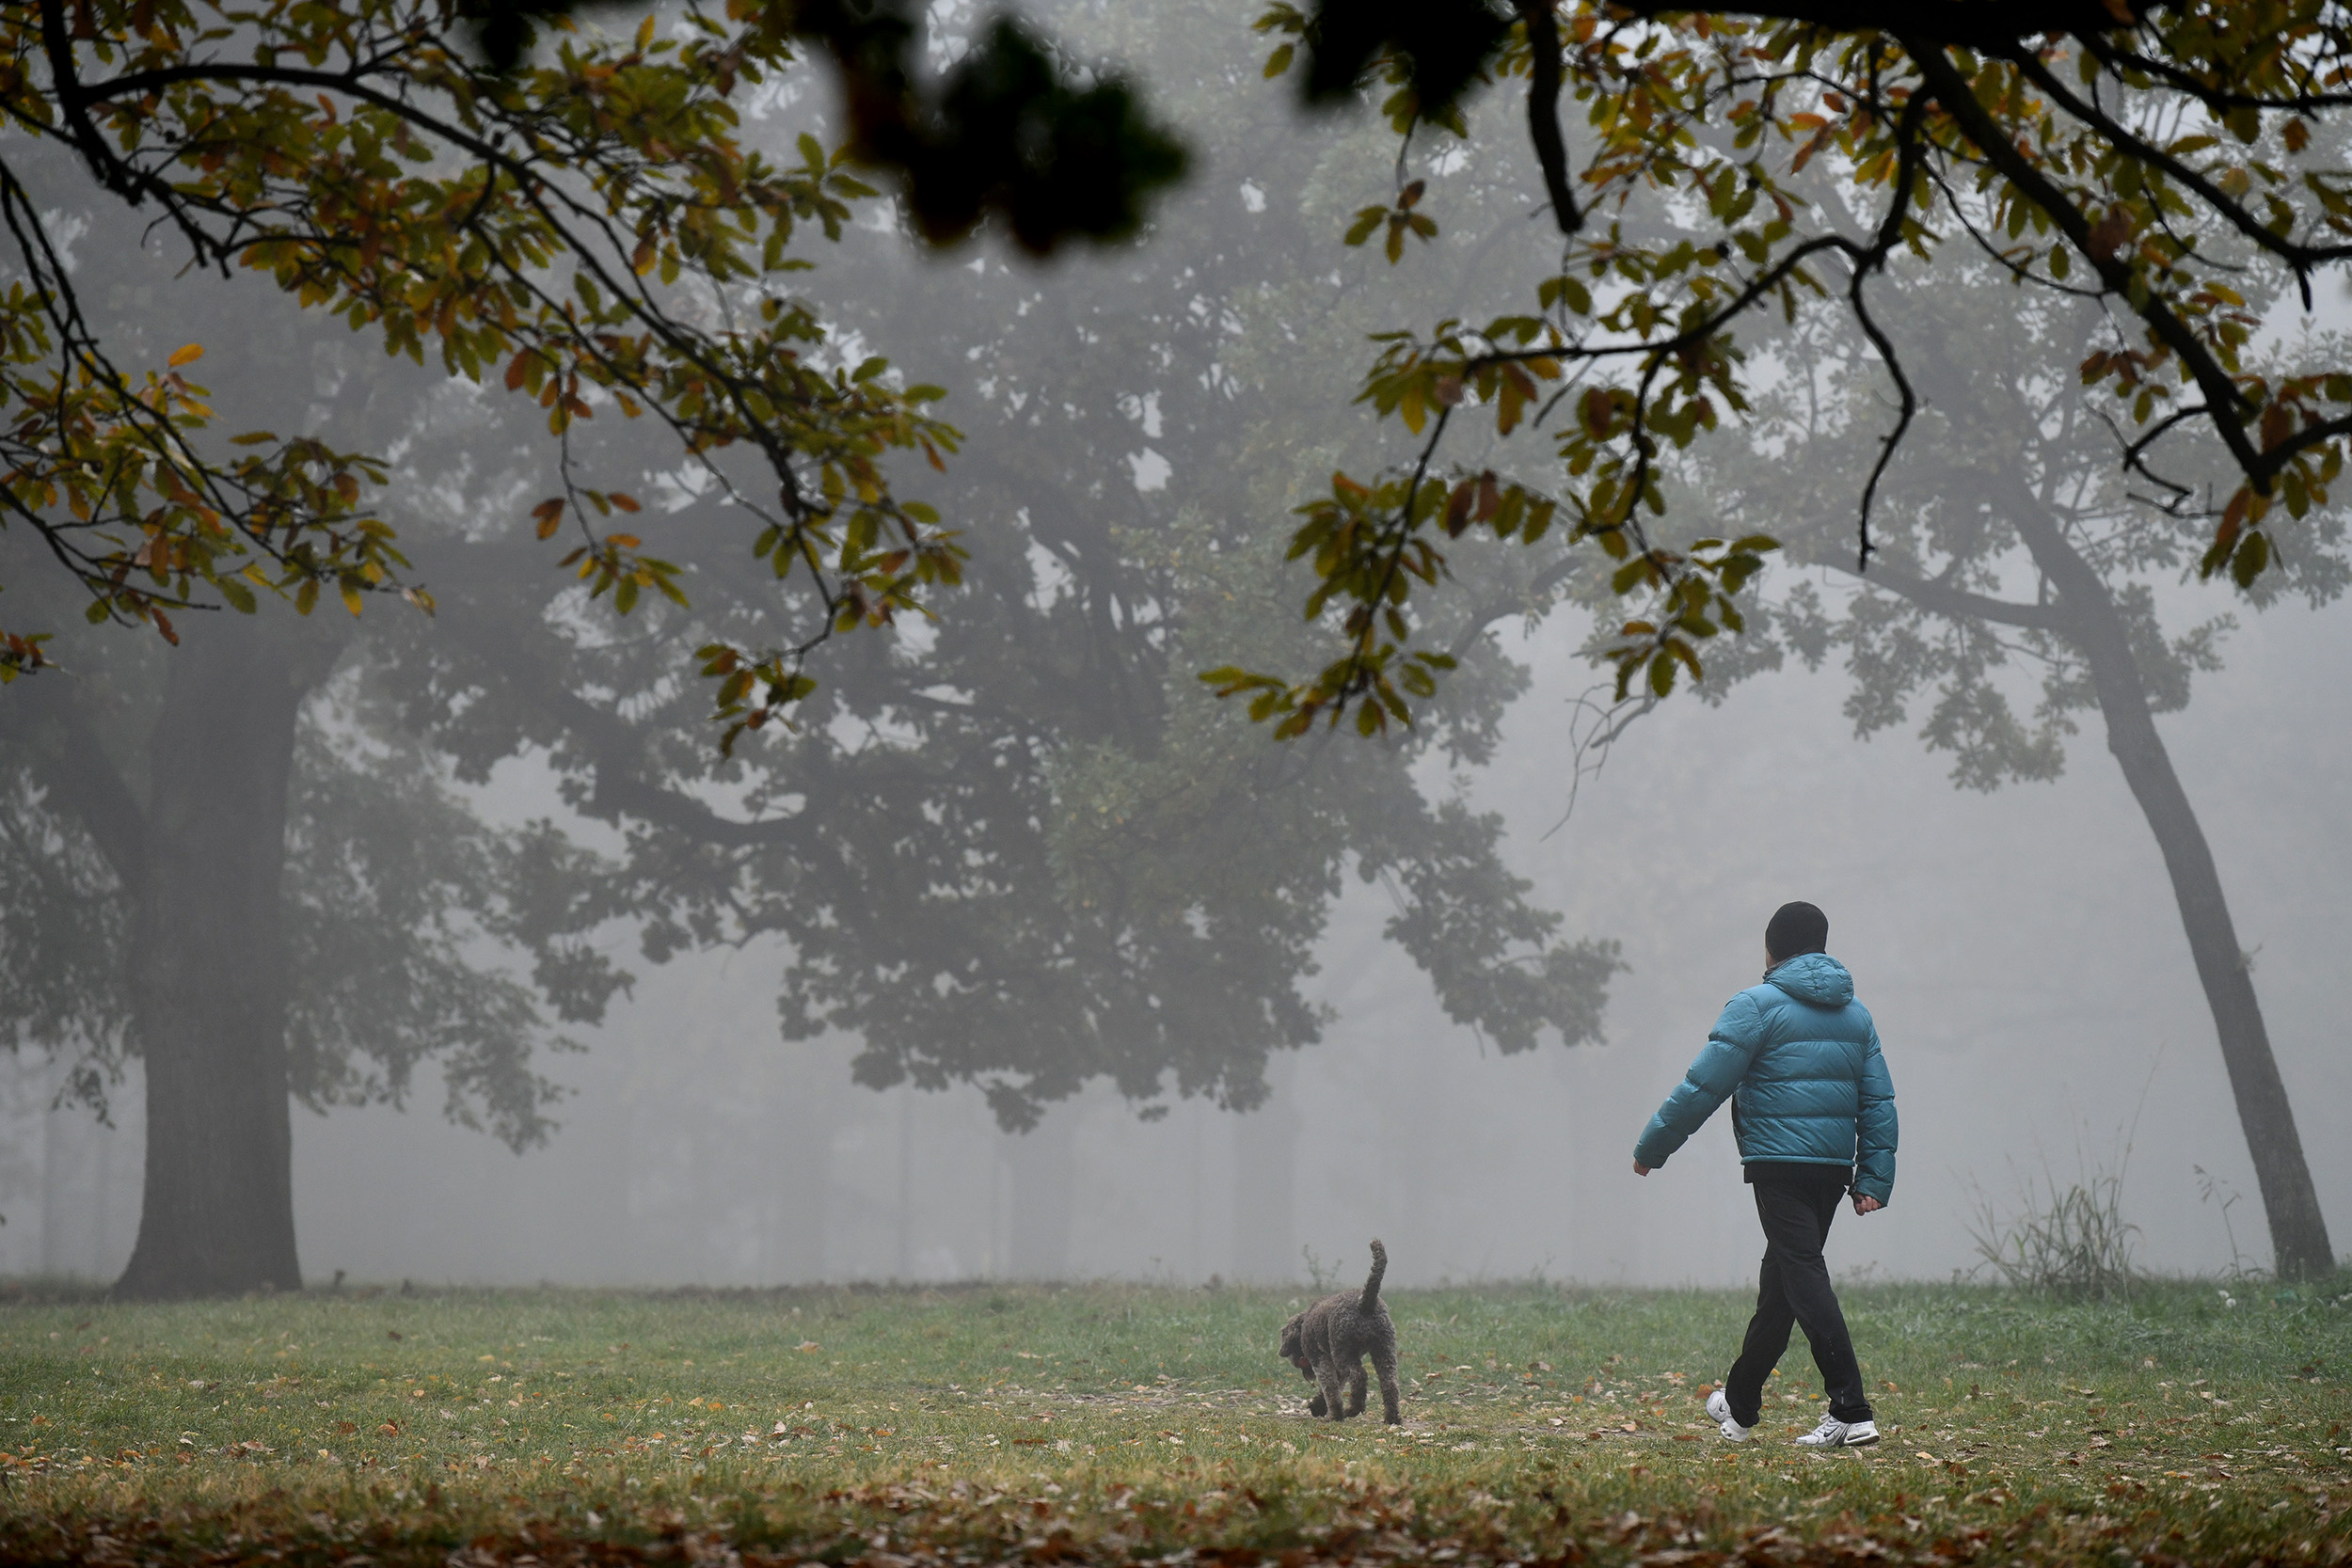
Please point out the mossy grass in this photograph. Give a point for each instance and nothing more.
(2197, 1422)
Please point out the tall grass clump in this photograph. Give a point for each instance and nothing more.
(2073, 1242)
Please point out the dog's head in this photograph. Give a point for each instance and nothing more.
(1294, 1345)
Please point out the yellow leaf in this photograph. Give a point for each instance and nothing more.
(187, 354)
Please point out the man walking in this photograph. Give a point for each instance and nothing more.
(1813, 1111)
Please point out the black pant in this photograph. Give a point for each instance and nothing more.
(1793, 1287)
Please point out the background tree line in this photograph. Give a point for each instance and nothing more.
(1025, 848)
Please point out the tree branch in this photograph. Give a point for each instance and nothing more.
(2300, 257)
(2205, 93)
(1890, 231)
(1975, 24)
(2221, 393)
(1543, 111)
(1959, 604)
(80, 781)
(610, 743)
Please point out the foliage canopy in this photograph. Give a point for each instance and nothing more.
(1019, 847)
(569, 221)
(2147, 158)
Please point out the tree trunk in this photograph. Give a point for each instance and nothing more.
(207, 979)
(2298, 1233)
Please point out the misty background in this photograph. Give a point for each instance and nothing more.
(2021, 951)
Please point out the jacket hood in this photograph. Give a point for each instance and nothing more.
(1814, 977)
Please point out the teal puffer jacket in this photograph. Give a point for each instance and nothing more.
(1799, 1059)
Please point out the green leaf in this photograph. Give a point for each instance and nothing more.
(2253, 554)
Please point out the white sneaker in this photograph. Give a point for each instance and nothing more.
(1835, 1434)
(1720, 1408)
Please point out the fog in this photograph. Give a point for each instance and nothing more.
(2020, 953)
(2021, 950)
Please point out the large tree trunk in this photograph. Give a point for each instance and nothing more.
(208, 967)
(2298, 1233)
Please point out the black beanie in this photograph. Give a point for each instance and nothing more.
(1796, 928)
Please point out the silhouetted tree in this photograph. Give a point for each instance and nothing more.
(1024, 850)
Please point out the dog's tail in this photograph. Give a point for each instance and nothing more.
(1372, 1281)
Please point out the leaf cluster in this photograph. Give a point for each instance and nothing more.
(2152, 161)
(562, 226)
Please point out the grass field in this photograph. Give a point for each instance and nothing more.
(1114, 1424)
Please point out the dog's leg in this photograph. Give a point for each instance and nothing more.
(1383, 1362)
(1356, 1391)
(1328, 1371)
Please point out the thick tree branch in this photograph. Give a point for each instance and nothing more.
(1959, 604)
(2301, 258)
(613, 748)
(1959, 99)
(2170, 73)
(1543, 111)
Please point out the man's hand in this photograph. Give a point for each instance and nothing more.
(1639, 1169)
(1863, 1204)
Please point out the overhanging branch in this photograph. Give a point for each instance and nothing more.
(2222, 395)
(1543, 111)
